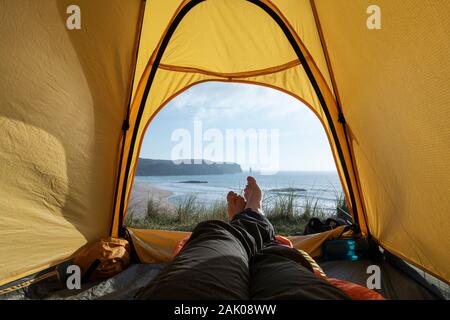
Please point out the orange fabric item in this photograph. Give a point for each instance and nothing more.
(285, 241)
(113, 255)
(355, 291)
(180, 245)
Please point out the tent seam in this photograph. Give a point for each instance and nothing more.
(243, 74)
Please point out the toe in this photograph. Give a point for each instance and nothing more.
(246, 193)
(230, 196)
(241, 202)
(251, 181)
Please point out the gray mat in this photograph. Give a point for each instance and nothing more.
(395, 284)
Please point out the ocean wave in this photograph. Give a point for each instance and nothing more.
(287, 190)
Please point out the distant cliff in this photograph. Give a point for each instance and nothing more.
(151, 167)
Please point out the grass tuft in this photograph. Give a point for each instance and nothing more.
(280, 209)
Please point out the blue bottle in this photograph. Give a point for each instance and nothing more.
(344, 249)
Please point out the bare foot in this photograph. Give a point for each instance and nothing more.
(236, 204)
(253, 195)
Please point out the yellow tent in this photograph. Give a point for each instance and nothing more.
(75, 104)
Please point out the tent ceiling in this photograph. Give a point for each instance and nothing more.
(207, 39)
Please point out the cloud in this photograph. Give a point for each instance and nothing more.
(215, 100)
(222, 106)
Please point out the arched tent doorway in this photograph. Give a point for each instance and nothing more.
(178, 63)
(254, 130)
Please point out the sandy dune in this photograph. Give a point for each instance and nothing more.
(142, 192)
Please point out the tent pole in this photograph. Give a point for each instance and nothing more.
(126, 123)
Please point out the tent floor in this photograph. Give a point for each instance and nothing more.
(395, 284)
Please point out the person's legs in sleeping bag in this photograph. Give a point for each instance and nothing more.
(213, 264)
(280, 272)
(238, 260)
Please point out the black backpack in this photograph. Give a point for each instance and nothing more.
(315, 225)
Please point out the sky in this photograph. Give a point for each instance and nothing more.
(255, 126)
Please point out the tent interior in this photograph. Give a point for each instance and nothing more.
(75, 105)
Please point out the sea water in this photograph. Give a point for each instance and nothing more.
(321, 187)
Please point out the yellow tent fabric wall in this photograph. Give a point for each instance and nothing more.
(393, 84)
(63, 97)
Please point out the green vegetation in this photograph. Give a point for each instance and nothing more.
(287, 218)
(280, 208)
(184, 216)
